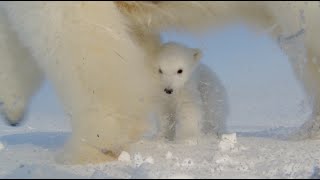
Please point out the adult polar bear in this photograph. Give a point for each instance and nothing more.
(99, 74)
(96, 58)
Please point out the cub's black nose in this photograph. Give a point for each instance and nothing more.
(168, 91)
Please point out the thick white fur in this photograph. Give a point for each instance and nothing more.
(95, 57)
(97, 70)
(19, 75)
(197, 104)
(282, 19)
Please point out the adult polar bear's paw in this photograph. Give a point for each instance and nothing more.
(308, 130)
(13, 114)
(83, 153)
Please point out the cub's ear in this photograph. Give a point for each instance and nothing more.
(197, 54)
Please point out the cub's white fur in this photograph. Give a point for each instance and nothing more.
(193, 100)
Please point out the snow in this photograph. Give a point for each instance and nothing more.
(228, 141)
(230, 138)
(124, 157)
(261, 158)
(138, 161)
(169, 155)
(149, 160)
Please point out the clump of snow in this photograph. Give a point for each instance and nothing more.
(137, 160)
(224, 160)
(169, 155)
(187, 162)
(191, 142)
(149, 160)
(228, 142)
(230, 137)
(124, 157)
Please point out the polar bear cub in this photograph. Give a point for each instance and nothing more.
(193, 100)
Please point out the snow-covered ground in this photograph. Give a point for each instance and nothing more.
(266, 103)
(29, 153)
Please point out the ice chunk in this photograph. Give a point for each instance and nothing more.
(228, 142)
(169, 155)
(138, 160)
(149, 160)
(124, 157)
(232, 138)
(187, 162)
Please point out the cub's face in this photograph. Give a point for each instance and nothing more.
(175, 64)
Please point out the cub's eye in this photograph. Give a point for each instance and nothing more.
(179, 71)
(160, 71)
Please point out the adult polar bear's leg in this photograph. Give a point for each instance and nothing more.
(97, 71)
(19, 75)
(309, 75)
(292, 18)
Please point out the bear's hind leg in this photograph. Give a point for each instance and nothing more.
(19, 75)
